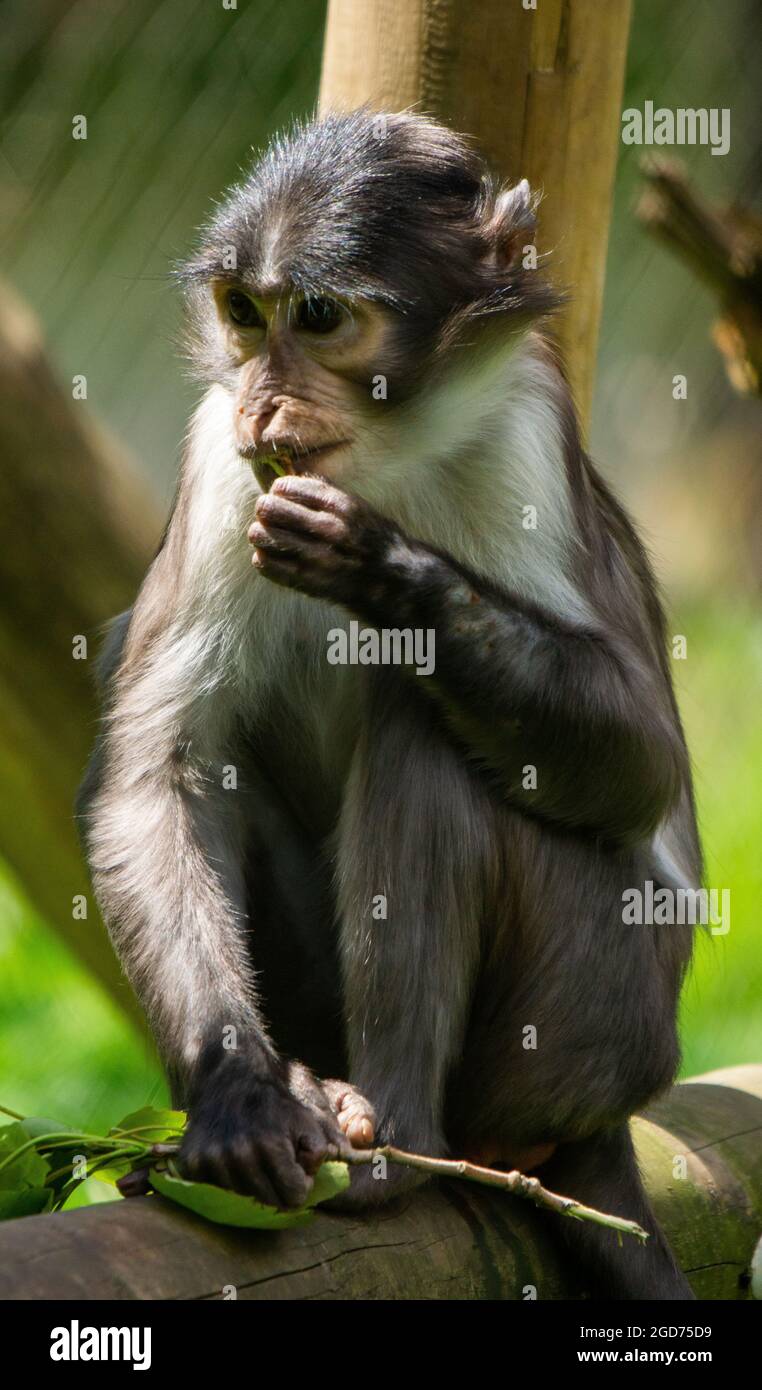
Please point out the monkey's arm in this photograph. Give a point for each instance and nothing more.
(163, 839)
(573, 721)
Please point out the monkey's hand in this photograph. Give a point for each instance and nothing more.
(341, 1101)
(311, 536)
(252, 1135)
(372, 1184)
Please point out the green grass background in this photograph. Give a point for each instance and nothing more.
(67, 1051)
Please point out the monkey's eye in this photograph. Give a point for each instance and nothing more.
(319, 315)
(244, 311)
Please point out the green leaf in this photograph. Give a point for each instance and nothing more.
(29, 1170)
(114, 1172)
(89, 1193)
(154, 1126)
(28, 1201)
(64, 1159)
(330, 1180)
(36, 1125)
(225, 1208)
(232, 1209)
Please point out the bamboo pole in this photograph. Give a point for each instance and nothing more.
(78, 530)
(539, 88)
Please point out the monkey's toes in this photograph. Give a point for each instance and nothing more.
(356, 1124)
(355, 1115)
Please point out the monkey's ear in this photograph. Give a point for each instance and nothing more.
(513, 222)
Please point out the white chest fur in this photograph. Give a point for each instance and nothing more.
(477, 472)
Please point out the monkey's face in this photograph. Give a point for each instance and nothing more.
(302, 371)
(362, 262)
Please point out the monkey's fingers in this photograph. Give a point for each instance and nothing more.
(312, 1151)
(355, 1115)
(315, 557)
(265, 1168)
(283, 514)
(358, 1129)
(314, 569)
(223, 1164)
(135, 1184)
(274, 538)
(279, 1162)
(281, 569)
(311, 491)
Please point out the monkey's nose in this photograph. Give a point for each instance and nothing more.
(252, 424)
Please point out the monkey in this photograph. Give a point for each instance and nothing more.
(359, 904)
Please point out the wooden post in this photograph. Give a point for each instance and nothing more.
(451, 1241)
(539, 88)
(78, 531)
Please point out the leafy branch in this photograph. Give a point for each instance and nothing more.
(137, 1156)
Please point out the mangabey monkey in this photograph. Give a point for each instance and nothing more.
(360, 308)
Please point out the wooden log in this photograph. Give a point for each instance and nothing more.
(452, 1241)
(540, 89)
(79, 529)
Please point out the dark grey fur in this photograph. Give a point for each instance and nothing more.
(505, 906)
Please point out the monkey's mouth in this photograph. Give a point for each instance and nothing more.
(269, 464)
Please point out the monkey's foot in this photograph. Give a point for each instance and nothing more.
(354, 1114)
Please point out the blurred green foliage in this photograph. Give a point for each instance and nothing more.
(719, 692)
(66, 1049)
(176, 93)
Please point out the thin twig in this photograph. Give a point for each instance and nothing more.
(518, 1184)
(14, 1114)
(514, 1182)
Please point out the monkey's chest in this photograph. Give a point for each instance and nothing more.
(307, 727)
